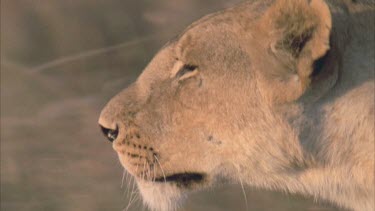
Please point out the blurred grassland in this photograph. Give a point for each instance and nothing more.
(61, 60)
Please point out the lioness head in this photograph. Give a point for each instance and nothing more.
(206, 107)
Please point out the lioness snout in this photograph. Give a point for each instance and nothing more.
(111, 134)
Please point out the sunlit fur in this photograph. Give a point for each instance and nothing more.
(257, 109)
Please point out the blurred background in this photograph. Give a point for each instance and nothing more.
(61, 61)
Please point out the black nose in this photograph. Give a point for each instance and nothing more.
(110, 133)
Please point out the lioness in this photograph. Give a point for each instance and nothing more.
(277, 94)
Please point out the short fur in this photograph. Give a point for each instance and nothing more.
(277, 94)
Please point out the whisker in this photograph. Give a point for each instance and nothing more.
(244, 194)
(128, 180)
(128, 186)
(136, 197)
(133, 193)
(133, 186)
(165, 179)
(122, 180)
(127, 177)
(243, 189)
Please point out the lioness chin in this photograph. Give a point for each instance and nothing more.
(277, 94)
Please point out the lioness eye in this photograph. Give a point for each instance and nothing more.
(185, 69)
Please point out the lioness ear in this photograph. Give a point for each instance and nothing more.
(298, 33)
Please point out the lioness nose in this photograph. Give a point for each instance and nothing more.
(115, 112)
(111, 134)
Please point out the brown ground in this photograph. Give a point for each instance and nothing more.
(53, 86)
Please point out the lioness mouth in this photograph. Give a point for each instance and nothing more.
(182, 178)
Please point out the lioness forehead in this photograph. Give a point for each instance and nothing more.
(159, 68)
(210, 35)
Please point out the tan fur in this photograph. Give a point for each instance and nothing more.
(253, 106)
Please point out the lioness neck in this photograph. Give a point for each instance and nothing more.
(334, 171)
(299, 171)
